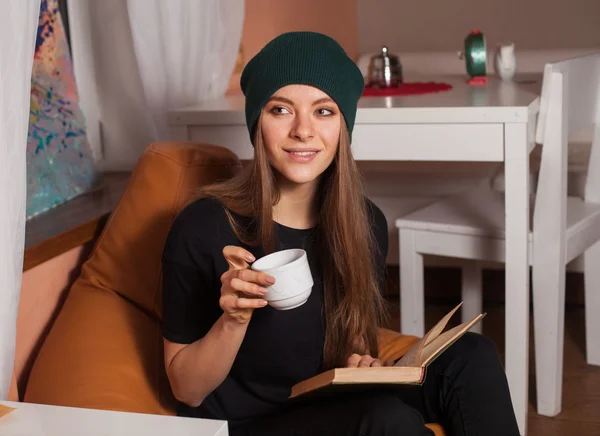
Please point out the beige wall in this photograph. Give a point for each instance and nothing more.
(265, 19)
(416, 25)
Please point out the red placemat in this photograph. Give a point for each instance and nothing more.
(413, 88)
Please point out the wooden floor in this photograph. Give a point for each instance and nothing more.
(581, 387)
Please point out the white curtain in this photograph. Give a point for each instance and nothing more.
(18, 25)
(185, 50)
(136, 59)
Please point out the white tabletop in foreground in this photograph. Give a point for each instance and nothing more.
(41, 420)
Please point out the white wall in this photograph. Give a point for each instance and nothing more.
(417, 25)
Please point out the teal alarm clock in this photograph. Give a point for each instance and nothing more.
(475, 56)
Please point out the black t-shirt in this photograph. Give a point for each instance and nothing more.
(280, 348)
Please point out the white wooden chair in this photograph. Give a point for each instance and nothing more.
(471, 227)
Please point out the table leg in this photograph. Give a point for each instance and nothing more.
(516, 161)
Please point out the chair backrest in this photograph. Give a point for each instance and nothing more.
(127, 256)
(570, 102)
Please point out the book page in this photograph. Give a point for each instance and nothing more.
(441, 325)
(414, 355)
(443, 341)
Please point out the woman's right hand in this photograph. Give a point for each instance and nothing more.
(242, 289)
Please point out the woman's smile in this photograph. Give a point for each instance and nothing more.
(302, 155)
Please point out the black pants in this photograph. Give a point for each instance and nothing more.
(465, 390)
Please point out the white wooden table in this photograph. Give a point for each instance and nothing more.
(41, 420)
(492, 123)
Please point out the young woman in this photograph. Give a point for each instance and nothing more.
(228, 354)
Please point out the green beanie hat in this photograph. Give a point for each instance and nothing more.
(305, 58)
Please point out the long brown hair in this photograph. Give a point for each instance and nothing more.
(354, 307)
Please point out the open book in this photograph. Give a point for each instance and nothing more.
(410, 369)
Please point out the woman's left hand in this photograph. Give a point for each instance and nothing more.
(365, 361)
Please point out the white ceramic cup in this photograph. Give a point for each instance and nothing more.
(293, 279)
